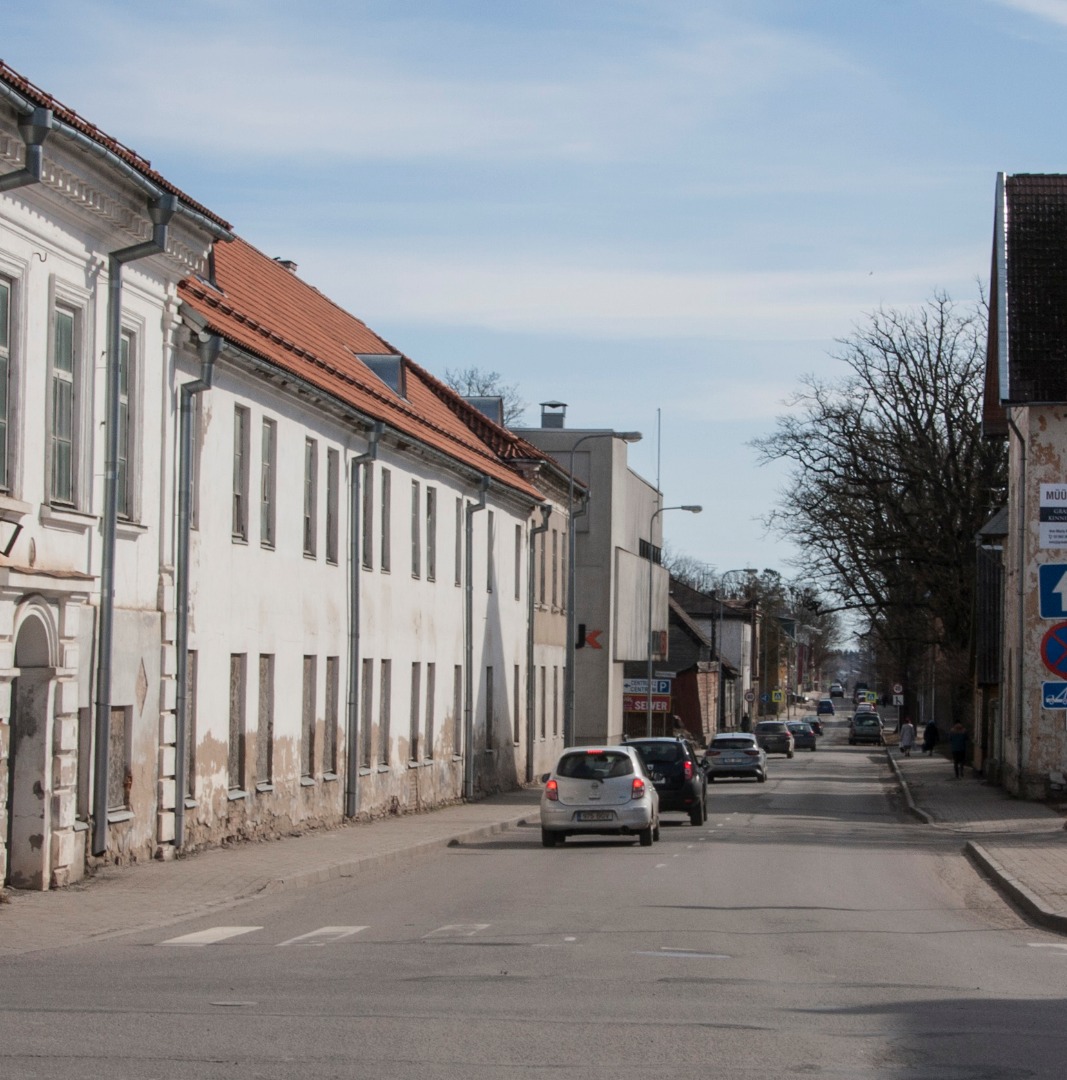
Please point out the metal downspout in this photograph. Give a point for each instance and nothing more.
(537, 530)
(34, 127)
(1020, 561)
(355, 562)
(468, 643)
(161, 211)
(209, 347)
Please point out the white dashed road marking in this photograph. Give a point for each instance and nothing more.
(210, 937)
(458, 930)
(325, 935)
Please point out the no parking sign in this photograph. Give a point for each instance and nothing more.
(1054, 649)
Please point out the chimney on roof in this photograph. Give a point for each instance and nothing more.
(553, 413)
(287, 263)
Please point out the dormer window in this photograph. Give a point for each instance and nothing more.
(389, 367)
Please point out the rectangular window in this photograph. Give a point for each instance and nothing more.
(330, 720)
(5, 378)
(385, 707)
(490, 543)
(333, 484)
(368, 516)
(457, 710)
(196, 426)
(190, 724)
(543, 543)
(366, 731)
(235, 756)
(431, 534)
(118, 760)
(490, 710)
(240, 473)
(459, 542)
(564, 580)
(83, 795)
(544, 702)
(64, 408)
(515, 710)
(428, 718)
(555, 701)
(555, 569)
(265, 726)
(416, 703)
(387, 495)
(307, 722)
(311, 493)
(416, 529)
(123, 495)
(518, 561)
(268, 483)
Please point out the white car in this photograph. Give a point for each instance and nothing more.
(599, 789)
(735, 753)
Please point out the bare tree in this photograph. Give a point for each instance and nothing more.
(893, 477)
(473, 382)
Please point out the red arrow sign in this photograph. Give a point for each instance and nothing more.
(592, 639)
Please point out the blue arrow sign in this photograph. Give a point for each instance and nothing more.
(1052, 585)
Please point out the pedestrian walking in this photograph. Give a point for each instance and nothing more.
(931, 737)
(907, 737)
(957, 741)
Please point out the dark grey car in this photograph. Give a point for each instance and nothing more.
(774, 736)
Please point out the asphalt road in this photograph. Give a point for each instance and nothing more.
(807, 930)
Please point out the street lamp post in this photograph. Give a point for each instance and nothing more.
(572, 625)
(722, 682)
(651, 566)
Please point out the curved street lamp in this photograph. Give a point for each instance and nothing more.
(718, 643)
(572, 628)
(648, 689)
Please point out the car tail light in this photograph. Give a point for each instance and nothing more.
(689, 770)
(637, 791)
(552, 791)
(752, 753)
(714, 753)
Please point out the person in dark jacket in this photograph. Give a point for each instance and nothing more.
(957, 741)
(931, 736)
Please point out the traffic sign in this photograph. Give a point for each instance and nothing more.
(1052, 590)
(1054, 649)
(897, 688)
(1054, 695)
(640, 686)
(750, 695)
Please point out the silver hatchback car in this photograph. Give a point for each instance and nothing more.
(599, 789)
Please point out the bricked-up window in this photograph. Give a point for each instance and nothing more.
(490, 710)
(431, 534)
(83, 795)
(416, 529)
(265, 727)
(366, 717)
(385, 708)
(333, 483)
(459, 542)
(542, 577)
(5, 378)
(555, 569)
(311, 495)
(123, 478)
(235, 756)
(544, 702)
(386, 560)
(515, 712)
(118, 760)
(428, 719)
(329, 734)
(367, 525)
(268, 483)
(457, 710)
(190, 723)
(307, 724)
(64, 408)
(490, 551)
(518, 561)
(414, 729)
(555, 701)
(240, 473)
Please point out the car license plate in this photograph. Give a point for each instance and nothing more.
(595, 815)
(734, 759)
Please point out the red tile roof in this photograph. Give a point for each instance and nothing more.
(40, 98)
(267, 310)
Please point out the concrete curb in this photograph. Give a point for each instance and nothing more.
(1014, 890)
(909, 801)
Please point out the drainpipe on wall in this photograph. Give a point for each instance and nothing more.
(537, 530)
(468, 644)
(1020, 561)
(34, 127)
(355, 563)
(160, 211)
(208, 346)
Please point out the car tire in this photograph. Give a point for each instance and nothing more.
(699, 814)
(548, 838)
(813, 749)
(762, 777)
(655, 832)
(789, 753)
(645, 837)
(711, 779)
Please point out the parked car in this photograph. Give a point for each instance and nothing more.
(676, 773)
(837, 690)
(735, 753)
(866, 727)
(599, 789)
(865, 706)
(775, 737)
(825, 706)
(803, 734)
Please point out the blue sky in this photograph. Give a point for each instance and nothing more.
(643, 208)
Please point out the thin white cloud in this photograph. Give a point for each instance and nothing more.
(1054, 11)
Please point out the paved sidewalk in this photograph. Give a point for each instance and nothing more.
(117, 901)
(1020, 846)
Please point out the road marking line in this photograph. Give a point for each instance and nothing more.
(323, 936)
(684, 954)
(210, 937)
(458, 930)
(1045, 945)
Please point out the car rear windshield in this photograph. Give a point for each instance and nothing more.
(732, 744)
(870, 720)
(594, 766)
(658, 752)
(772, 726)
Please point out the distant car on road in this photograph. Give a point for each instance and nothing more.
(816, 724)
(676, 774)
(803, 734)
(866, 727)
(775, 737)
(837, 690)
(826, 706)
(735, 753)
